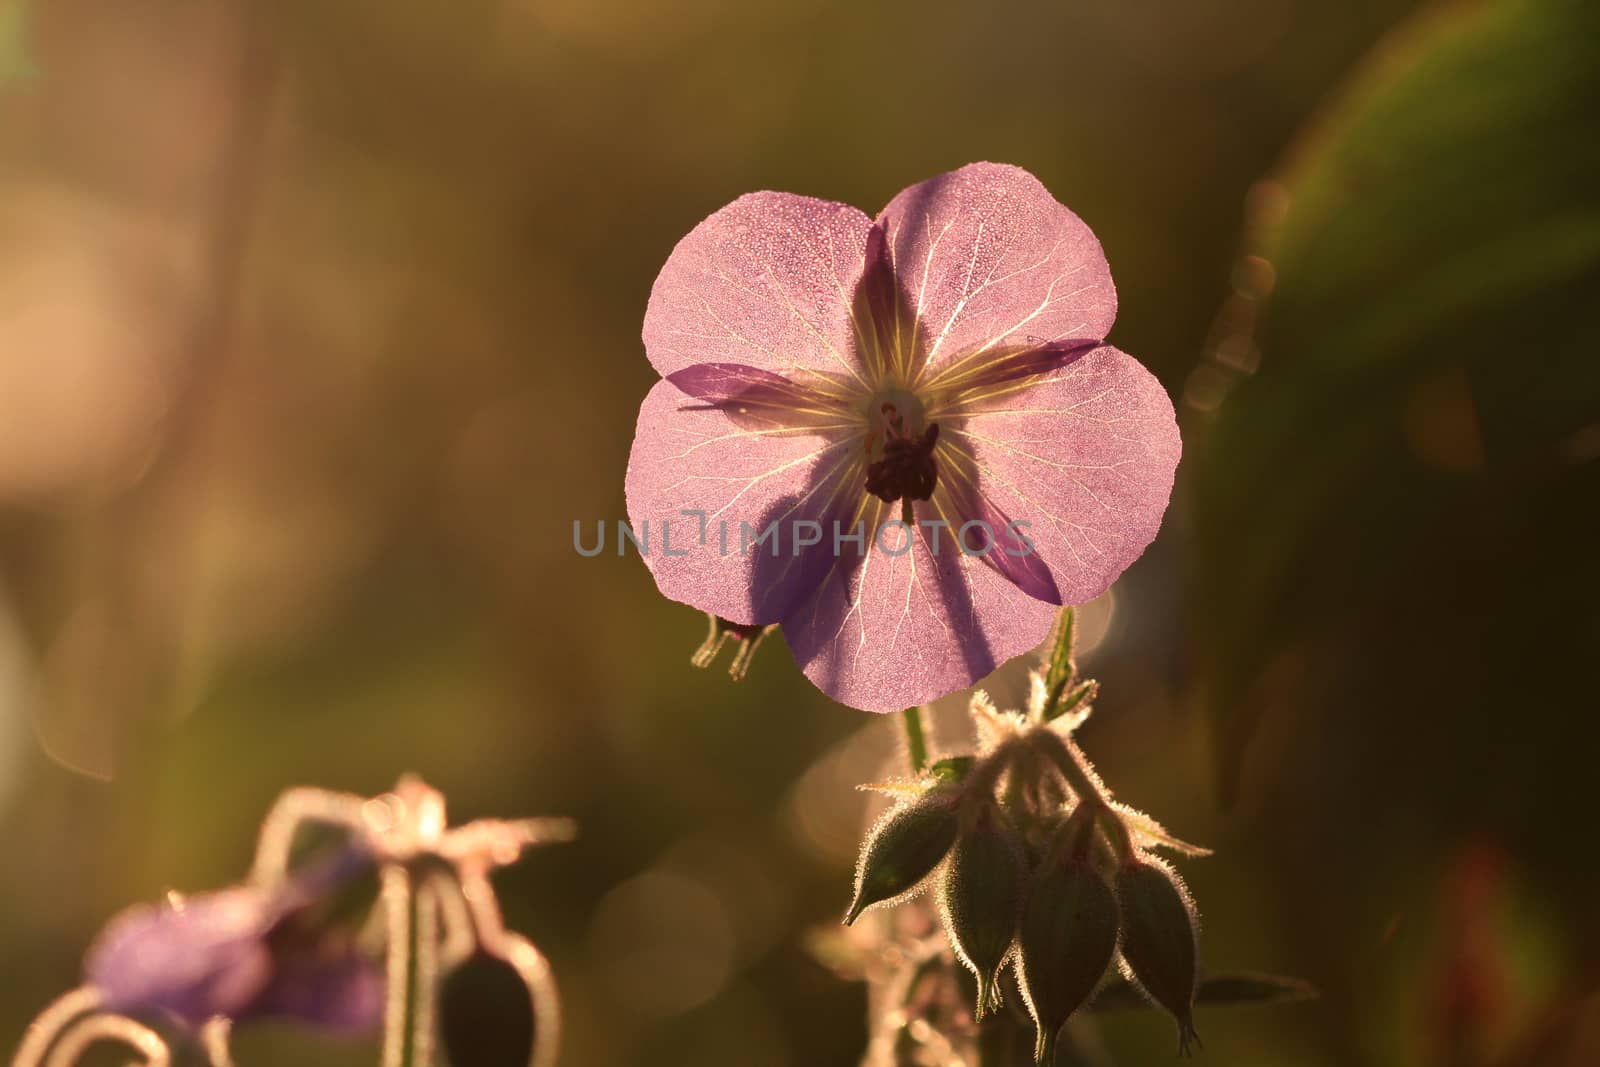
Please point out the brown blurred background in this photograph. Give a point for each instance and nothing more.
(319, 327)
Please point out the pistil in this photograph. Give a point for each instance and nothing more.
(905, 470)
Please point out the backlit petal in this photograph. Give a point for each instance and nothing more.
(964, 380)
(985, 529)
(692, 456)
(884, 632)
(1086, 457)
(769, 282)
(761, 400)
(986, 259)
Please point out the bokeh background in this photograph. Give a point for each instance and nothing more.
(319, 327)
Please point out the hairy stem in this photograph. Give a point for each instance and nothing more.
(1073, 767)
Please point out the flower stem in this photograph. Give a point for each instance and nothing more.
(1074, 768)
(916, 739)
(411, 917)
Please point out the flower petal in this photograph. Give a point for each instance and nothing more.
(966, 381)
(985, 257)
(1085, 456)
(192, 959)
(884, 632)
(990, 533)
(769, 282)
(692, 456)
(339, 989)
(761, 400)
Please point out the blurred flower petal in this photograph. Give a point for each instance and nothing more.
(191, 958)
(341, 990)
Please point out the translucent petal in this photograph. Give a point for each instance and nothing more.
(769, 282)
(886, 631)
(691, 456)
(987, 260)
(1085, 456)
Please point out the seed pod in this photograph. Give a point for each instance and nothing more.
(1067, 937)
(1160, 939)
(981, 896)
(902, 849)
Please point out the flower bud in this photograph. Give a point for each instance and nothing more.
(981, 896)
(485, 1015)
(1160, 935)
(903, 848)
(1067, 936)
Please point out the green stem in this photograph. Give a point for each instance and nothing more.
(1073, 767)
(411, 918)
(916, 739)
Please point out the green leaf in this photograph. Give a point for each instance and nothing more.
(1071, 700)
(1060, 669)
(1242, 987)
(1417, 310)
(1061, 666)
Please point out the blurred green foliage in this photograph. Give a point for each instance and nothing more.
(1395, 504)
(16, 61)
(1428, 353)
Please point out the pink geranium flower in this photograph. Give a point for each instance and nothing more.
(827, 376)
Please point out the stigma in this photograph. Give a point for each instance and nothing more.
(903, 467)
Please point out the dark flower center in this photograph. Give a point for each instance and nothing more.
(905, 469)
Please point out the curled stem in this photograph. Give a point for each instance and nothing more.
(214, 1037)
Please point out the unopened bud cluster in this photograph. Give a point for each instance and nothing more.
(1034, 866)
